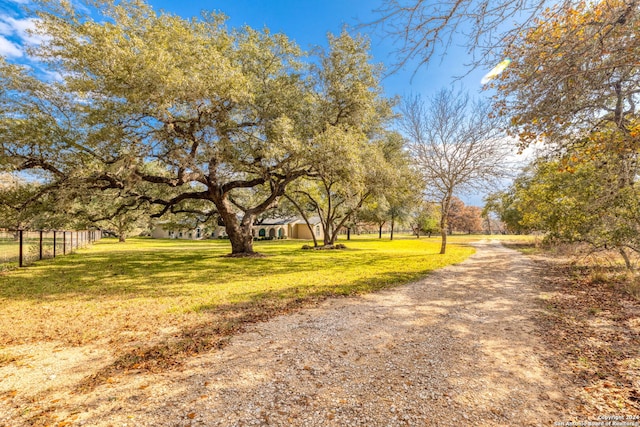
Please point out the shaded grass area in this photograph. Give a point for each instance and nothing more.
(155, 301)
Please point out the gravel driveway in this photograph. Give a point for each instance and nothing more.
(457, 348)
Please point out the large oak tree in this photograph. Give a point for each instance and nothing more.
(198, 112)
(353, 153)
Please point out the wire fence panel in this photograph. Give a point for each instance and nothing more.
(9, 249)
(19, 248)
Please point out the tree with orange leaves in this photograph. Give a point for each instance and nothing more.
(576, 74)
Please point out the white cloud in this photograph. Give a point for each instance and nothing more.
(5, 29)
(10, 49)
(20, 1)
(53, 76)
(18, 25)
(16, 36)
(22, 28)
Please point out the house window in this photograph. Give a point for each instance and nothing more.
(262, 232)
(317, 230)
(180, 235)
(198, 233)
(280, 232)
(171, 233)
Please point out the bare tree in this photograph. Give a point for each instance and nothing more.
(421, 29)
(457, 146)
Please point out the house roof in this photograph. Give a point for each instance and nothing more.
(275, 221)
(285, 221)
(313, 220)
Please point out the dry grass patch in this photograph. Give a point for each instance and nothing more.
(7, 357)
(592, 323)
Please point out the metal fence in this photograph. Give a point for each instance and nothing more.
(19, 248)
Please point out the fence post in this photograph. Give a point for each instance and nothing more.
(40, 245)
(54, 243)
(20, 256)
(64, 243)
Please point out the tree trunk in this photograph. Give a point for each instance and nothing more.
(329, 238)
(304, 217)
(313, 232)
(241, 238)
(331, 228)
(393, 222)
(348, 233)
(122, 238)
(239, 232)
(444, 212)
(443, 232)
(627, 261)
(306, 220)
(443, 247)
(380, 231)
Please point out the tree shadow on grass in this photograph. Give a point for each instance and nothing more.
(227, 320)
(161, 274)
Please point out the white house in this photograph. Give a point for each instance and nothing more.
(163, 231)
(274, 228)
(292, 228)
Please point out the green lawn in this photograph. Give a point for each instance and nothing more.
(9, 249)
(145, 291)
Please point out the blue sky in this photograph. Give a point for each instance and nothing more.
(309, 21)
(305, 21)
